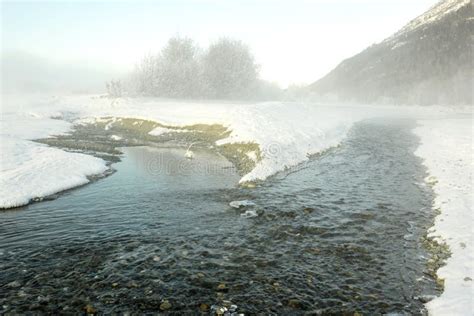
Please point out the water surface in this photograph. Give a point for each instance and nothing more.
(339, 234)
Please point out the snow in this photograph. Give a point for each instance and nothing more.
(437, 12)
(252, 155)
(163, 130)
(447, 150)
(286, 133)
(398, 45)
(160, 131)
(29, 170)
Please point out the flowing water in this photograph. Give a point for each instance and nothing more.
(339, 234)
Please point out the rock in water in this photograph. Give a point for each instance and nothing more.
(240, 204)
(165, 305)
(204, 307)
(249, 214)
(90, 310)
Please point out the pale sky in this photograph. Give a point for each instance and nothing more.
(294, 41)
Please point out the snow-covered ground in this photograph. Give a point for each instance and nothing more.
(286, 133)
(29, 170)
(447, 150)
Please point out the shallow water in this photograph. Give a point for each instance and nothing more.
(338, 234)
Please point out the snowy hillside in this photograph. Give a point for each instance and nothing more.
(427, 62)
(436, 13)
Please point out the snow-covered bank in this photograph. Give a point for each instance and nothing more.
(286, 133)
(447, 150)
(29, 170)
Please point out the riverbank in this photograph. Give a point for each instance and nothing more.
(446, 148)
(274, 135)
(281, 135)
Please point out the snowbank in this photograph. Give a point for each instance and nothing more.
(447, 152)
(287, 133)
(30, 170)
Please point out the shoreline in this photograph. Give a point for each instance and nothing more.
(446, 150)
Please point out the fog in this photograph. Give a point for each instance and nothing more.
(28, 73)
(76, 47)
(236, 157)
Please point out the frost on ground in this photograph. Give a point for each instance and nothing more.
(447, 151)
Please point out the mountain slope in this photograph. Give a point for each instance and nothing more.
(429, 61)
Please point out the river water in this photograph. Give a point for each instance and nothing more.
(339, 234)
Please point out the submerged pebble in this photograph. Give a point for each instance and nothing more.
(165, 305)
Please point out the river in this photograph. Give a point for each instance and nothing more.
(340, 233)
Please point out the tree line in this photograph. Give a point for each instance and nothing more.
(225, 70)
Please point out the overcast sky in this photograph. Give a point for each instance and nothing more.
(294, 41)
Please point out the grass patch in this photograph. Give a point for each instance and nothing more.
(80, 145)
(96, 138)
(244, 156)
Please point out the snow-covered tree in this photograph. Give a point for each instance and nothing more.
(144, 76)
(177, 69)
(226, 70)
(114, 88)
(229, 70)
